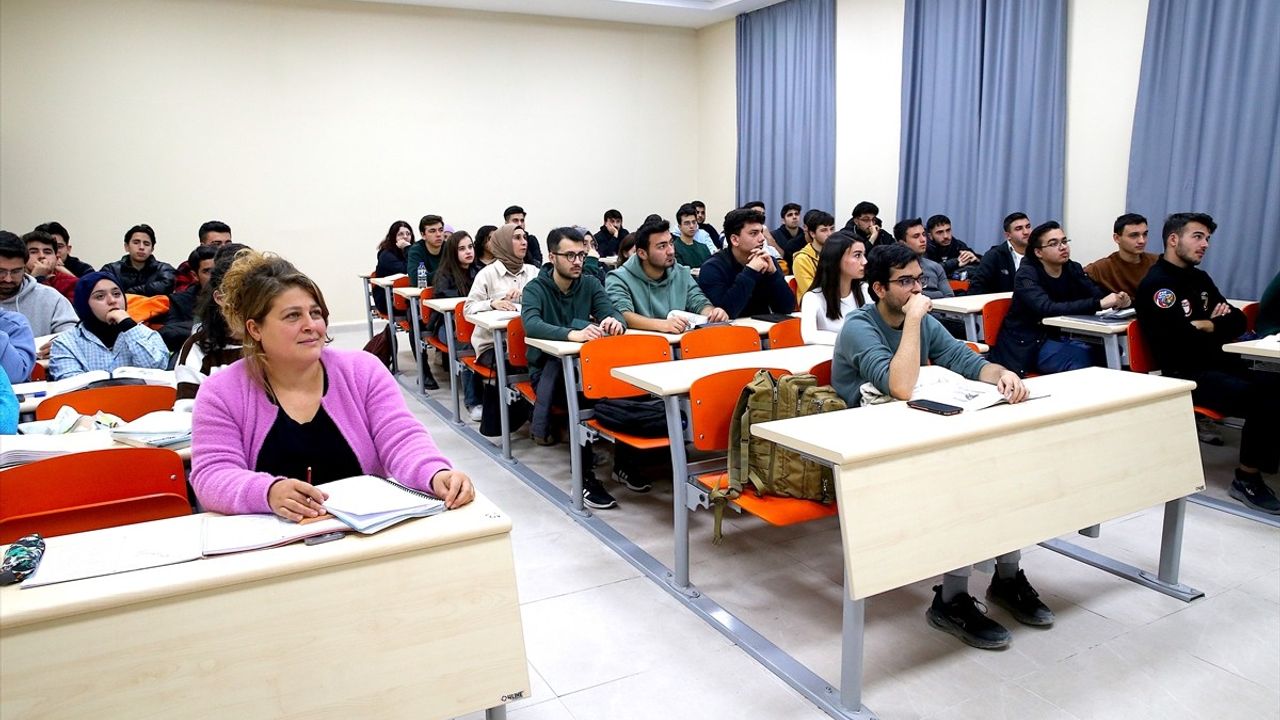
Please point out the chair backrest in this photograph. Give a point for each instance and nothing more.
(423, 310)
(1251, 315)
(601, 355)
(993, 317)
(785, 334)
(461, 325)
(822, 371)
(517, 350)
(959, 285)
(91, 490)
(718, 340)
(1140, 357)
(399, 303)
(38, 373)
(711, 402)
(128, 402)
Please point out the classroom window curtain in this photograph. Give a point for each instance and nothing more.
(983, 113)
(1206, 132)
(786, 106)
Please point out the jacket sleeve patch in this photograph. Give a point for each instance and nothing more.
(1164, 298)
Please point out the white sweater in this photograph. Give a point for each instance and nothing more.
(818, 329)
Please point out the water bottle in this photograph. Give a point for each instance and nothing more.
(422, 274)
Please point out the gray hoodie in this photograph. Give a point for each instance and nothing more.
(45, 308)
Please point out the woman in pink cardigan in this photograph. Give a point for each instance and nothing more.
(294, 414)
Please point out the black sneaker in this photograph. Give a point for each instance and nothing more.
(633, 482)
(1253, 492)
(595, 496)
(1018, 597)
(962, 618)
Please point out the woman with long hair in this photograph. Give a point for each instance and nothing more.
(484, 256)
(391, 258)
(457, 272)
(838, 289)
(214, 345)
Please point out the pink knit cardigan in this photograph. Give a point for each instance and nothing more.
(233, 415)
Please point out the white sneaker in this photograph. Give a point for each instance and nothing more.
(477, 412)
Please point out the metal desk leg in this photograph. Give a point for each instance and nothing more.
(569, 368)
(496, 713)
(455, 368)
(970, 327)
(1175, 515)
(1111, 344)
(416, 324)
(679, 493)
(851, 656)
(368, 314)
(504, 412)
(391, 325)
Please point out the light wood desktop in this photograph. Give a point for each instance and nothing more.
(421, 620)
(922, 494)
(968, 309)
(1264, 353)
(445, 307)
(1114, 338)
(496, 322)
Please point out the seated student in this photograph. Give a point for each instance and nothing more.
(1186, 320)
(1049, 284)
(626, 249)
(484, 258)
(214, 345)
(818, 226)
(1123, 270)
(689, 251)
(8, 407)
(562, 303)
(705, 226)
(66, 261)
(1269, 309)
(770, 245)
(17, 346)
(454, 278)
(790, 234)
(911, 233)
(138, 270)
(610, 233)
(422, 258)
(885, 344)
(839, 291)
(45, 309)
(650, 284)
(865, 222)
(214, 234)
(294, 414)
(42, 263)
(516, 215)
(500, 285)
(107, 337)
(950, 252)
(392, 259)
(181, 318)
(742, 278)
(995, 271)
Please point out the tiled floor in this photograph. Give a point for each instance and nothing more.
(604, 642)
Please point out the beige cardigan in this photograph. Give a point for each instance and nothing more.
(493, 283)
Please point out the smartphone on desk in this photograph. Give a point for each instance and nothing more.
(936, 408)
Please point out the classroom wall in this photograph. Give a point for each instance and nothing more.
(311, 126)
(717, 95)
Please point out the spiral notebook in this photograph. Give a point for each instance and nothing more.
(369, 504)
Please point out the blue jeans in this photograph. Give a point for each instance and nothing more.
(1062, 355)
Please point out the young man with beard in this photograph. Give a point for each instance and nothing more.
(999, 264)
(1123, 270)
(743, 278)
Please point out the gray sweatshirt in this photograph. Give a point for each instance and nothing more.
(45, 309)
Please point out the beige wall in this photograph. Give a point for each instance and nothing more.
(310, 126)
(717, 92)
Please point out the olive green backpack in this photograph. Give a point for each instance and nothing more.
(769, 469)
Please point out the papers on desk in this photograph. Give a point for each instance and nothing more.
(369, 504)
(118, 549)
(162, 428)
(1270, 342)
(1108, 317)
(237, 533)
(945, 386)
(148, 376)
(693, 320)
(22, 449)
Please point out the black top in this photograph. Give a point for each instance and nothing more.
(1168, 299)
(711, 230)
(995, 272)
(1036, 296)
(790, 244)
(291, 447)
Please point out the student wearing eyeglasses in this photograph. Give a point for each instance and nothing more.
(886, 344)
(1049, 283)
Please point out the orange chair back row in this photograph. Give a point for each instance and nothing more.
(128, 402)
(785, 334)
(718, 340)
(992, 318)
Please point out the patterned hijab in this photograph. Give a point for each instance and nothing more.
(500, 247)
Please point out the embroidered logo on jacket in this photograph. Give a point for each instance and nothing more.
(1186, 307)
(1164, 298)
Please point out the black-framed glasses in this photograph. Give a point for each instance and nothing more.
(1054, 243)
(572, 256)
(907, 281)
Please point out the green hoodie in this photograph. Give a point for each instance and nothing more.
(633, 291)
(417, 253)
(550, 314)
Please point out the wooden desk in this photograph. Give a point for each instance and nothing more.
(496, 322)
(445, 307)
(968, 309)
(887, 457)
(412, 296)
(1264, 353)
(387, 284)
(1114, 338)
(670, 381)
(421, 620)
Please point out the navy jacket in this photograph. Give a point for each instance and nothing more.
(740, 290)
(1021, 335)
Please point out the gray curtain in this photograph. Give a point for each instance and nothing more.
(1206, 132)
(786, 106)
(983, 113)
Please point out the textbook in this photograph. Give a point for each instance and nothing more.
(237, 533)
(161, 428)
(369, 504)
(148, 376)
(23, 449)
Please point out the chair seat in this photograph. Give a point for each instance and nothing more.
(438, 344)
(483, 371)
(1213, 415)
(525, 388)
(772, 509)
(635, 441)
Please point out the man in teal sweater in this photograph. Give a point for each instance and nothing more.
(886, 344)
(563, 304)
(650, 284)
(426, 252)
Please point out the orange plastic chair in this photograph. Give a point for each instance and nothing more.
(38, 373)
(128, 402)
(718, 340)
(711, 401)
(822, 371)
(959, 286)
(518, 355)
(91, 490)
(785, 334)
(425, 313)
(600, 356)
(463, 328)
(1251, 315)
(791, 283)
(1142, 361)
(992, 318)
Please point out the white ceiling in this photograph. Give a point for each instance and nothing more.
(677, 13)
